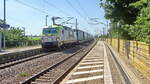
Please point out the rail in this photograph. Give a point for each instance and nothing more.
(58, 79)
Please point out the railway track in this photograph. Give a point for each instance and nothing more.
(9, 64)
(56, 72)
(90, 70)
(95, 69)
(15, 62)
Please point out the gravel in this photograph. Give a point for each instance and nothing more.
(63, 67)
(13, 74)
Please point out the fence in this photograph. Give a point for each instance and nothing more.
(137, 52)
(11, 44)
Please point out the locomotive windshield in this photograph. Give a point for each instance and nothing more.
(49, 31)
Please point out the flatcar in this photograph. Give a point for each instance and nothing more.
(56, 36)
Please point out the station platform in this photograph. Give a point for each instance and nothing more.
(13, 50)
(93, 69)
(103, 65)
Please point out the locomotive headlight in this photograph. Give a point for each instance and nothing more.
(57, 39)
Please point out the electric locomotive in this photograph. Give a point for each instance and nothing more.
(56, 36)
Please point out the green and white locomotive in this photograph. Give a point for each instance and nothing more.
(56, 36)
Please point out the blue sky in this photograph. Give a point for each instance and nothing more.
(34, 20)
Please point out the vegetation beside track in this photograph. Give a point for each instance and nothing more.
(15, 37)
(129, 19)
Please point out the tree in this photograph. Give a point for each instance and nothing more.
(116, 10)
(133, 17)
(142, 24)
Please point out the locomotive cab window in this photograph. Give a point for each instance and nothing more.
(49, 31)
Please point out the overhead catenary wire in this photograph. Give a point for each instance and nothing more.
(78, 12)
(17, 21)
(37, 9)
(44, 11)
(82, 8)
(84, 11)
(54, 6)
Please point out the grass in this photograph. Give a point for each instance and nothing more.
(24, 74)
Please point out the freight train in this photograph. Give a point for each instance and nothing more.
(56, 36)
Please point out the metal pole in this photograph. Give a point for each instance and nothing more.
(77, 29)
(107, 27)
(103, 34)
(53, 19)
(46, 20)
(118, 37)
(4, 11)
(107, 31)
(4, 23)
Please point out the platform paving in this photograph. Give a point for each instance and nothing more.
(13, 50)
(93, 69)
